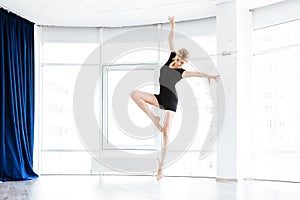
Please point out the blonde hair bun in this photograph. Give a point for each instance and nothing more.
(183, 53)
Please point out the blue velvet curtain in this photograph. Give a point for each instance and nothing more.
(17, 97)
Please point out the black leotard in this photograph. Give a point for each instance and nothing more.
(167, 98)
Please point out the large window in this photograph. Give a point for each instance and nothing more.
(276, 82)
(61, 150)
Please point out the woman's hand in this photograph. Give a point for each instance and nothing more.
(216, 78)
(171, 19)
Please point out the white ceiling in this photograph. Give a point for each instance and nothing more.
(114, 13)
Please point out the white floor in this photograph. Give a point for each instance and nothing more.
(144, 188)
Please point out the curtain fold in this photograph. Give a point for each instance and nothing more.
(17, 97)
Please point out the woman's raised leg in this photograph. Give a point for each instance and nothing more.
(141, 99)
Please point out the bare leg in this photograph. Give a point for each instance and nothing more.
(166, 129)
(141, 99)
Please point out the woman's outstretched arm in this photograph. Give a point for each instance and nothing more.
(187, 74)
(171, 34)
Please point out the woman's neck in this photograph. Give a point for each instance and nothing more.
(172, 65)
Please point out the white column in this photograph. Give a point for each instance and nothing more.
(37, 100)
(244, 91)
(234, 27)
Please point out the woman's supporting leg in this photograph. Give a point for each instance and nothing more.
(141, 99)
(166, 129)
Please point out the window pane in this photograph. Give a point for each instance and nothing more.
(59, 131)
(207, 43)
(137, 56)
(276, 36)
(277, 114)
(204, 103)
(70, 53)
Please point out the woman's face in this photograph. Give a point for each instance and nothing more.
(179, 62)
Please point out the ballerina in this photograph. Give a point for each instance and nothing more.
(170, 73)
